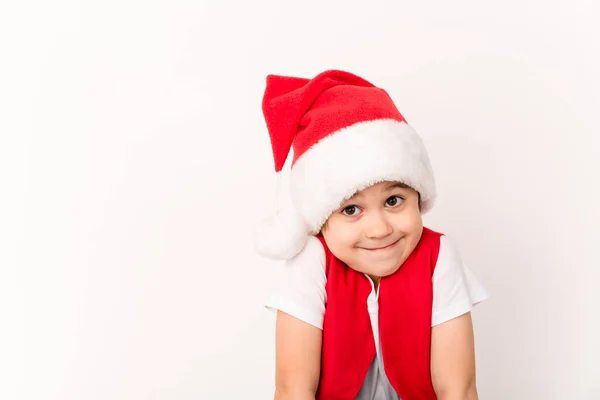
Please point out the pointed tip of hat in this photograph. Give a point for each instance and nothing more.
(281, 236)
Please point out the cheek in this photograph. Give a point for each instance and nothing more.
(340, 238)
(417, 223)
(412, 221)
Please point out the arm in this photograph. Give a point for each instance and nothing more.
(298, 358)
(453, 359)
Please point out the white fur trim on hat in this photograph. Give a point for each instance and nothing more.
(356, 157)
(281, 236)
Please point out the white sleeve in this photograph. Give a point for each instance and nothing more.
(456, 290)
(300, 291)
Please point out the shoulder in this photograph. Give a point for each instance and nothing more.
(448, 252)
(429, 235)
(456, 290)
(307, 267)
(300, 291)
(449, 267)
(311, 256)
(430, 240)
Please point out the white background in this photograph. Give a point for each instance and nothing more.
(134, 161)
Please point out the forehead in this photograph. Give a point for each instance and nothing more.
(384, 186)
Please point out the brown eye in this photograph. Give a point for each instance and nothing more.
(350, 210)
(394, 201)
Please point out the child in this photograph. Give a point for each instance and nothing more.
(372, 304)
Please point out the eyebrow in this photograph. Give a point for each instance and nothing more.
(395, 185)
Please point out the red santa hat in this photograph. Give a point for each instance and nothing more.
(346, 134)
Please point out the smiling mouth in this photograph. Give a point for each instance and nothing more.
(389, 246)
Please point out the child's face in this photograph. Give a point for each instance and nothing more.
(375, 231)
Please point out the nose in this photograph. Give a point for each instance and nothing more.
(378, 226)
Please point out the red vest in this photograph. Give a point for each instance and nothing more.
(405, 307)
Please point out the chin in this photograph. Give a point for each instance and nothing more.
(389, 271)
(388, 268)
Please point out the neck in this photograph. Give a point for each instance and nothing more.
(375, 280)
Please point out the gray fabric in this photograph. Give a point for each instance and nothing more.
(376, 385)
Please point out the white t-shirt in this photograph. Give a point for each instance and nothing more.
(301, 293)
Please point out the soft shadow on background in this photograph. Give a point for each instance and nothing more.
(134, 161)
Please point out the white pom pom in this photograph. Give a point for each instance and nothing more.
(281, 236)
